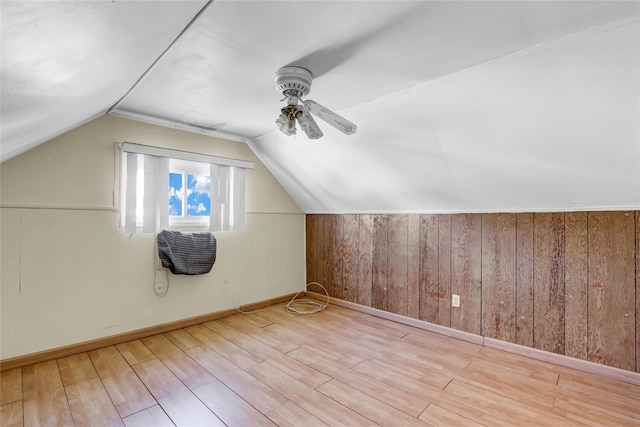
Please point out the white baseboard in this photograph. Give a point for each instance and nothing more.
(532, 353)
(566, 361)
(398, 318)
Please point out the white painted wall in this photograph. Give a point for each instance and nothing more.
(555, 127)
(70, 274)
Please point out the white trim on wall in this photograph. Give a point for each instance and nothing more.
(183, 155)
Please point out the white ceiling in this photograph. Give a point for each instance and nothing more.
(460, 106)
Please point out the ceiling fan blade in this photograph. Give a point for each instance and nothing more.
(339, 122)
(325, 59)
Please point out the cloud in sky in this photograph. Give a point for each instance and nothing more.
(197, 210)
(199, 184)
(175, 194)
(198, 195)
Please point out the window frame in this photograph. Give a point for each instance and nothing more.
(187, 167)
(222, 175)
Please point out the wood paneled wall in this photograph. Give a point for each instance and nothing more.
(568, 283)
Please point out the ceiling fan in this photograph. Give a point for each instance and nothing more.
(294, 83)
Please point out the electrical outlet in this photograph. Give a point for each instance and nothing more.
(455, 300)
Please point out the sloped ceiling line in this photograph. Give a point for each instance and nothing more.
(66, 63)
(461, 106)
(153, 64)
(547, 44)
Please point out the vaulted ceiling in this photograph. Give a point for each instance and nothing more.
(461, 106)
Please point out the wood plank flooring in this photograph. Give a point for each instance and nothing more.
(336, 367)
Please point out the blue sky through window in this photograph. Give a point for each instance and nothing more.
(175, 194)
(198, 195)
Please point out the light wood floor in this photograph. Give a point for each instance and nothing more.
(337, 367)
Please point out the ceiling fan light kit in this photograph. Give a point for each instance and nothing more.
(294, 83)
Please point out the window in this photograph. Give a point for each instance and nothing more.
(189, 193)
(163, 188)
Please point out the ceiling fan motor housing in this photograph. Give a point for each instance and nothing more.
(293, 81)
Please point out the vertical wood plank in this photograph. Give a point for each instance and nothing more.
(413, 266)
(335, 261)
(397, 264)
(575, 285)
(444, 270)
(548, 281)
(611, 276)
(321, 259)
(524, 279)
(335, 272)
(365, 259)
(311, 247)
(466, 271)
(329, 249)
(379, 289)
(429, 268)
(637, 230)
(499, 276)
(349, 257)
(338, 243)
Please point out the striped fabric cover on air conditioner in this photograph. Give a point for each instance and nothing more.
(187, 253)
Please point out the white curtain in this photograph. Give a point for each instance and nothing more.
(238, 198)
(227, 189)
(227, 198)
(155, 216)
